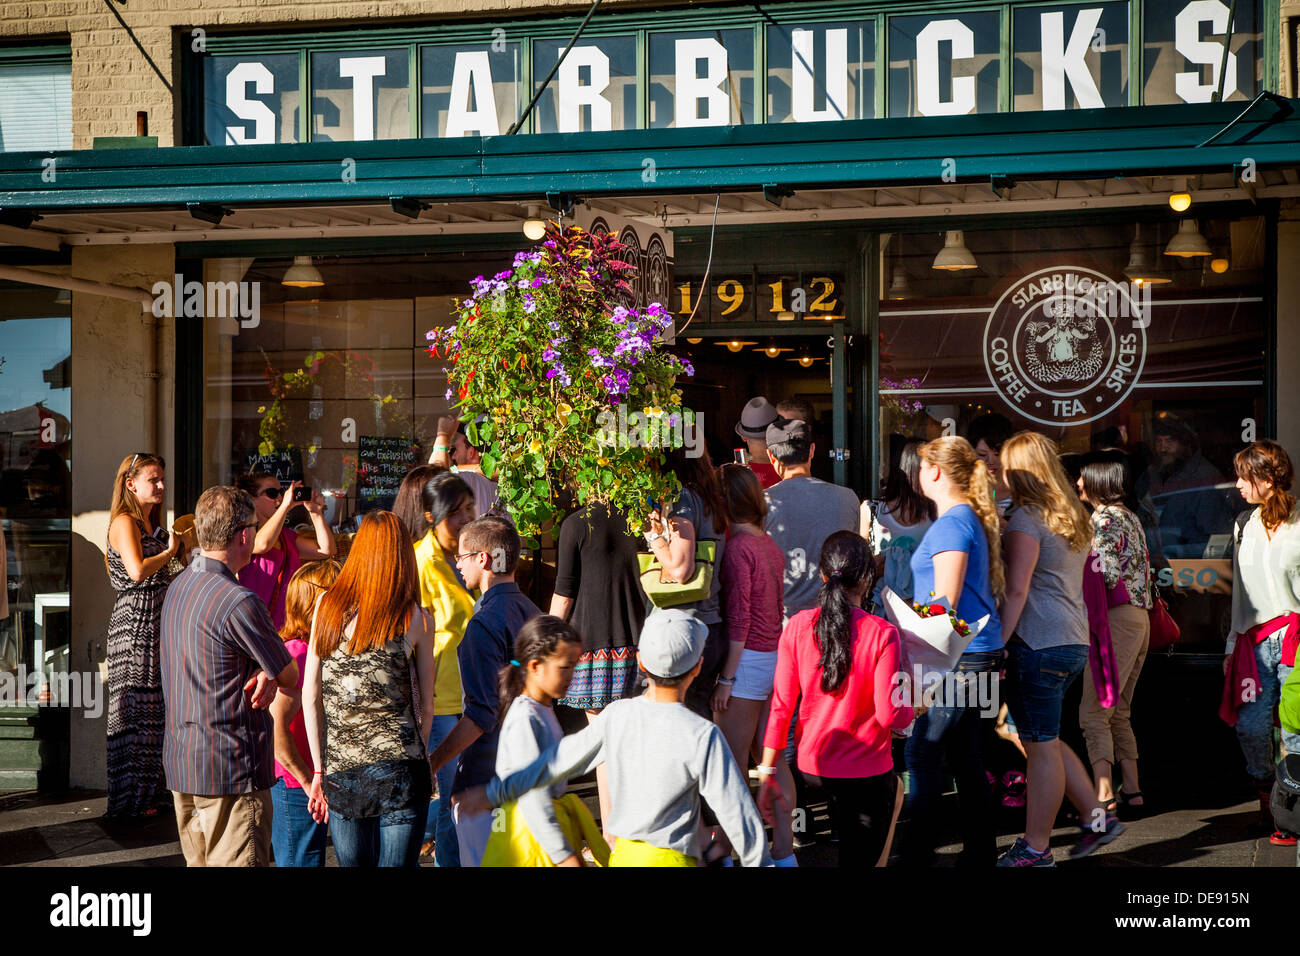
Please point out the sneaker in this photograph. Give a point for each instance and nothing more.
(1022, 854)
(1282, 838)
(1093, 839)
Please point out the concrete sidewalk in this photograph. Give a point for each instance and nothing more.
(69, 830)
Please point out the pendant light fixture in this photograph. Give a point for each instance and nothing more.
(534, 226)
(954, 256)
(1139, 268)
(302, 274)
(900, 287)
(1187, 241)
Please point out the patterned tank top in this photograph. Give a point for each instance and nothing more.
(369, 706)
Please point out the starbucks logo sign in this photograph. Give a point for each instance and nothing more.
(1065, 345)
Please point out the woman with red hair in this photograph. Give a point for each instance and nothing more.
(369, 676)
(1265, 613)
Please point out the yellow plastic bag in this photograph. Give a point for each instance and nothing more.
(512, 844)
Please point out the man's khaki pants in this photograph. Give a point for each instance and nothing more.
(231, 830)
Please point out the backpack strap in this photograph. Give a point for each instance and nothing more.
(1241, 521)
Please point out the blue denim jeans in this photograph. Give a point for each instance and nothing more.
(439, 826)
(297, 839)
(954, 732)
(1255, 719)
(391, 839)
(1036, 684)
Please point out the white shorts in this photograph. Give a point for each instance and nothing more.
(755, 675)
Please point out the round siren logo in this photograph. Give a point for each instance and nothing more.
(1065, 345)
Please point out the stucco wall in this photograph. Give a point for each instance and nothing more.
(115, 413)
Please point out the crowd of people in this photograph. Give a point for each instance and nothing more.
(399, 700)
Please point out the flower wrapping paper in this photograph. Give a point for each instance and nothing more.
(928, 641)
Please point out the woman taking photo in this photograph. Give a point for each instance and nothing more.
(278, 551)
(369, 669)
(297, 839)
(699, 513)
(139, 550)
(837, 664)
(1046, 545)
(447, 505)
(753, 573)
(958, 563)
(896, 523)
(1265, 593)
(1119, 542)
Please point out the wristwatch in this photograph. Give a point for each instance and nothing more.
(726, 680)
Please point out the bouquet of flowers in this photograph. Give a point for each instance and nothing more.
(933, 635)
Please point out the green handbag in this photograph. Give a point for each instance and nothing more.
(669, 593)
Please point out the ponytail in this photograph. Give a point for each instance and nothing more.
(846, 563)
(537, 640)
(1268, 461)
(984, 503)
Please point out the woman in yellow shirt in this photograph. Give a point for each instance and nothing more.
(448, 506)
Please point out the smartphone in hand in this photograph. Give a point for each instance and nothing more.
(302, 493)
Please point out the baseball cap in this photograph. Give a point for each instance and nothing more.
(787, 429)
(671, 642)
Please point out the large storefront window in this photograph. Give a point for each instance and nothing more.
(1049, 329)
(360, 97)
(251, 99)
(35, 487)
(947, 67)
(595, 88)
(1184, 50)
(1071, 57)
(701, 78)
(821, 71)
(332, 384)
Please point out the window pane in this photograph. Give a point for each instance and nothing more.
(360, 96)
(470, 90)
(944, 67)
(821, 71)
(36, 106)
(703, 78)
(1167, 374)
(1183, 42)
(251, 99)
(595, 86)
(1071, 57)
(35, 485)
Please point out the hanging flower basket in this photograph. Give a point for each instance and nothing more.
(541, 357)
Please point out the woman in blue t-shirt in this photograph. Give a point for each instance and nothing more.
(958, 563)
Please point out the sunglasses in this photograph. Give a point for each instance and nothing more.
(272, 493)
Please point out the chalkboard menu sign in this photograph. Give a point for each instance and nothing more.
(382, 463)
(285, 464)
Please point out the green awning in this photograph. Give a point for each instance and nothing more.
(1075, 144)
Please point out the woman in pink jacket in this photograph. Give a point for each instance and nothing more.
(845, 663)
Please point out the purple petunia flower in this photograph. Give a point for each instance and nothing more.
(552, 372)
(553, 326)
(448, 395)
(550, 355)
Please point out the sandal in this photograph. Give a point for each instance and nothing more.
(1126, 804)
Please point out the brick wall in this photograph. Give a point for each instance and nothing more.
(118, 70)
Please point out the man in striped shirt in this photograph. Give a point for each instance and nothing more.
(222, 662)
